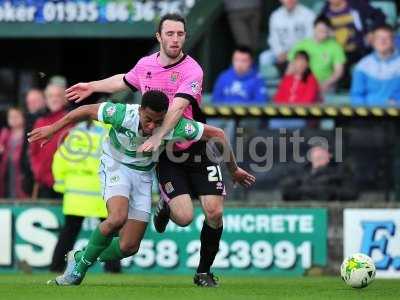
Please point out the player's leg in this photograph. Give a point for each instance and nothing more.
(210, 236)
(111, 266)
(139, 210)
(127, 243)
(181, 208)
(138, 215)
(207, 182)
(175, 201)
(78, 262)
(116, 184)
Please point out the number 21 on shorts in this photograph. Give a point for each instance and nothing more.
(214, 173)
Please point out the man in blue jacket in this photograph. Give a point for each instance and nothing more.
(376, 78)
(240, 84)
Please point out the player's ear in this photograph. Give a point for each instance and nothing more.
(158, 37)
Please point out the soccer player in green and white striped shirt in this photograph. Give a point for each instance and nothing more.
(126, 175)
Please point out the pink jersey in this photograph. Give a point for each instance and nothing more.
(183, 79)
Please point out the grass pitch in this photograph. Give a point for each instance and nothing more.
(143, 287)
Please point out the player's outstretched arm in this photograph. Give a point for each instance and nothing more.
(81, 91)
(174, 114)
(218, 136)
(80, 114)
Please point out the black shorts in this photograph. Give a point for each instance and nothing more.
(197, 175)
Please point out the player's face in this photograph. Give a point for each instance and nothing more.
(172, 38)
(383, 41)
(150, 119)
(241, 62)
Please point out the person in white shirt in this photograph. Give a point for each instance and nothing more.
(290, 23)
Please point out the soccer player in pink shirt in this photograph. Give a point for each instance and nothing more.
(180, 77)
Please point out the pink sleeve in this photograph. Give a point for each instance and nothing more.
(192, 85)
(131, 79)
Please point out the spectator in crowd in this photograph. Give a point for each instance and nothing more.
(299, 86)
(244, 19)
(327, 57)
(320, 179)
(35, 104)
(75, 170)
(376, 78)
(41, 157)
(240, 84)
(35, 101)
(397, 40)
(289, 24)
(11, 141)
(352, 20)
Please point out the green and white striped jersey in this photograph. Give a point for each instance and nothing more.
(125, 137)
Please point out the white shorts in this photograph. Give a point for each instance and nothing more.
(120, 180)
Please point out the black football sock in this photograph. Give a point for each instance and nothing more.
(209, 239)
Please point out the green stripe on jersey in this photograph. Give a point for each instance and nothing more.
(117, 145)
(114, 114)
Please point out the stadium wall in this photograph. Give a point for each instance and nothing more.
(274, 238)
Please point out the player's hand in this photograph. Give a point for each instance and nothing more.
(42, 133)
(151, 145)
(79, 91)
(243, 178)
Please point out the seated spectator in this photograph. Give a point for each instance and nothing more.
(41, 157)
(11, 141)
(321, 179)
(376, 78)
(352, 20)
(35, 104)
(289, 24)
(326, 55)
(240, 84)
(299, 86)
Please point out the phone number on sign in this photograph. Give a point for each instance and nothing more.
(239, 254)
(111, 12)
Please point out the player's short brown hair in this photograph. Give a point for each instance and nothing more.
(171, 17)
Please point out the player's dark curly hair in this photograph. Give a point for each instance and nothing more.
(155, 100)
(171, 17)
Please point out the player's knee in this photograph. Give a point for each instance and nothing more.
(185, 219)
(129, 247)
(116, 221)
(214, 214)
